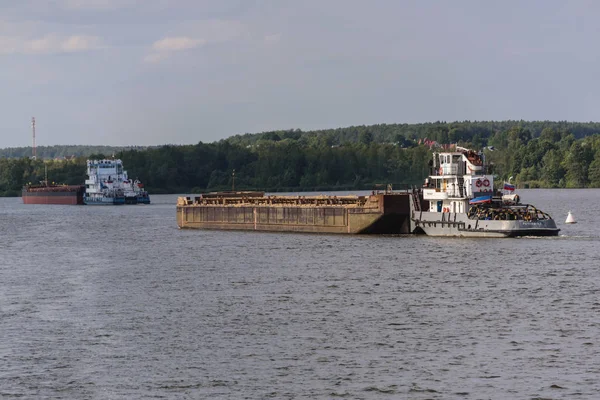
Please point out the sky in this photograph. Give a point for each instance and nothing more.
(152, 72)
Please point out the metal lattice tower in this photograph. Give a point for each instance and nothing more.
(34, 154)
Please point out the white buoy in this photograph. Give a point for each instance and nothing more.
(570, 219)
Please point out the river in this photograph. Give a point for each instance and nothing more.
(116, 302)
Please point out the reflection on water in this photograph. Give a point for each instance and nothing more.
(116, 302)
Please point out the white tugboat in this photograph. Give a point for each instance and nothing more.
(108, 183)
(459, 200)
(134, 191)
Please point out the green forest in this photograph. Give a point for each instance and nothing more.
(535, 153)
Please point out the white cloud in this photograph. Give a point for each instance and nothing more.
(163, 47)
(49, 44)
(177, 43)
(44, 45)
(198, 34)
(80, 43)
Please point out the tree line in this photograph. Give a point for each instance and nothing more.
(534, 154)
(63, 151)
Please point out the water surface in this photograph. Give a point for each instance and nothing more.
(116, 302)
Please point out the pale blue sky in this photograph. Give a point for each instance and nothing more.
(121, 72)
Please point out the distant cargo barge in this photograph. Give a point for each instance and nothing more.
(53, 194)
(379, 213)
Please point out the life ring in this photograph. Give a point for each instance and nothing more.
(478, 183)
(446, 209)
(441, 171)
(486, 182)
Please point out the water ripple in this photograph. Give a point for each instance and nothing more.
(116, 302)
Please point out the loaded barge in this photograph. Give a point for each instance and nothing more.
(380, 212)
(53, 194)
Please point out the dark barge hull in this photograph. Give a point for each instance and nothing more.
(68, 195)
(381, 213)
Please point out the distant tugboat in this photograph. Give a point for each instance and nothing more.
(462, 202)
(108, 184)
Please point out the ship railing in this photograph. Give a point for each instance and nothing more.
(391, 188)
(415, 194)
(524, 212)
(298, 201)
(358, 201)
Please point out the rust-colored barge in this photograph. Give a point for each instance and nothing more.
(53, 194)
(379, 213)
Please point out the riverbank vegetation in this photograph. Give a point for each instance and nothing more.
(534, 154)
